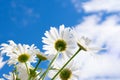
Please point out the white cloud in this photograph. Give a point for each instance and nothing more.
(98, 5)
(1, 62)
(106, 64)
(104, 34)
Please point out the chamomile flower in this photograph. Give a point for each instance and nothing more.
(19, 53)
(70, 72)
(40, 55)
(84, 42)
(58, 40)
(23, 72)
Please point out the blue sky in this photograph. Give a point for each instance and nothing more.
(25, 21)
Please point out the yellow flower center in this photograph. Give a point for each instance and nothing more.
(65, 74)
(60, 45)
(23, 58)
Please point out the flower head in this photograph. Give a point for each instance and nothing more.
(65, 74)
(19, 53)
(83, 42)
(41, 57)
(59, 41)
(70, 72)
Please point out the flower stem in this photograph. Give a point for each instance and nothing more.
(37, 64)
(44, 74)
(66, 64)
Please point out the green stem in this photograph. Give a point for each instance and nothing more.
(44, 74)
(66, 64)
(36, 67)
(37, 64)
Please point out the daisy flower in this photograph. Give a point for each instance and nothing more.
(23, 73)
(84, 42)
(40, 55)
(19, 53)
(58, 40)
(70, 72)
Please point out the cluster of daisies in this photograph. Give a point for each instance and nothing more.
(60, 47)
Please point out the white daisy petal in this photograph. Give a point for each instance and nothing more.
(58, 40)
(71, 70)
(15, 52)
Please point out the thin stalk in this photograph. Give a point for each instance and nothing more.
(66, 64)
(37, 64)
(44, 74)
(36, 67)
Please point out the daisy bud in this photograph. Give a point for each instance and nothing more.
(41, 57)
